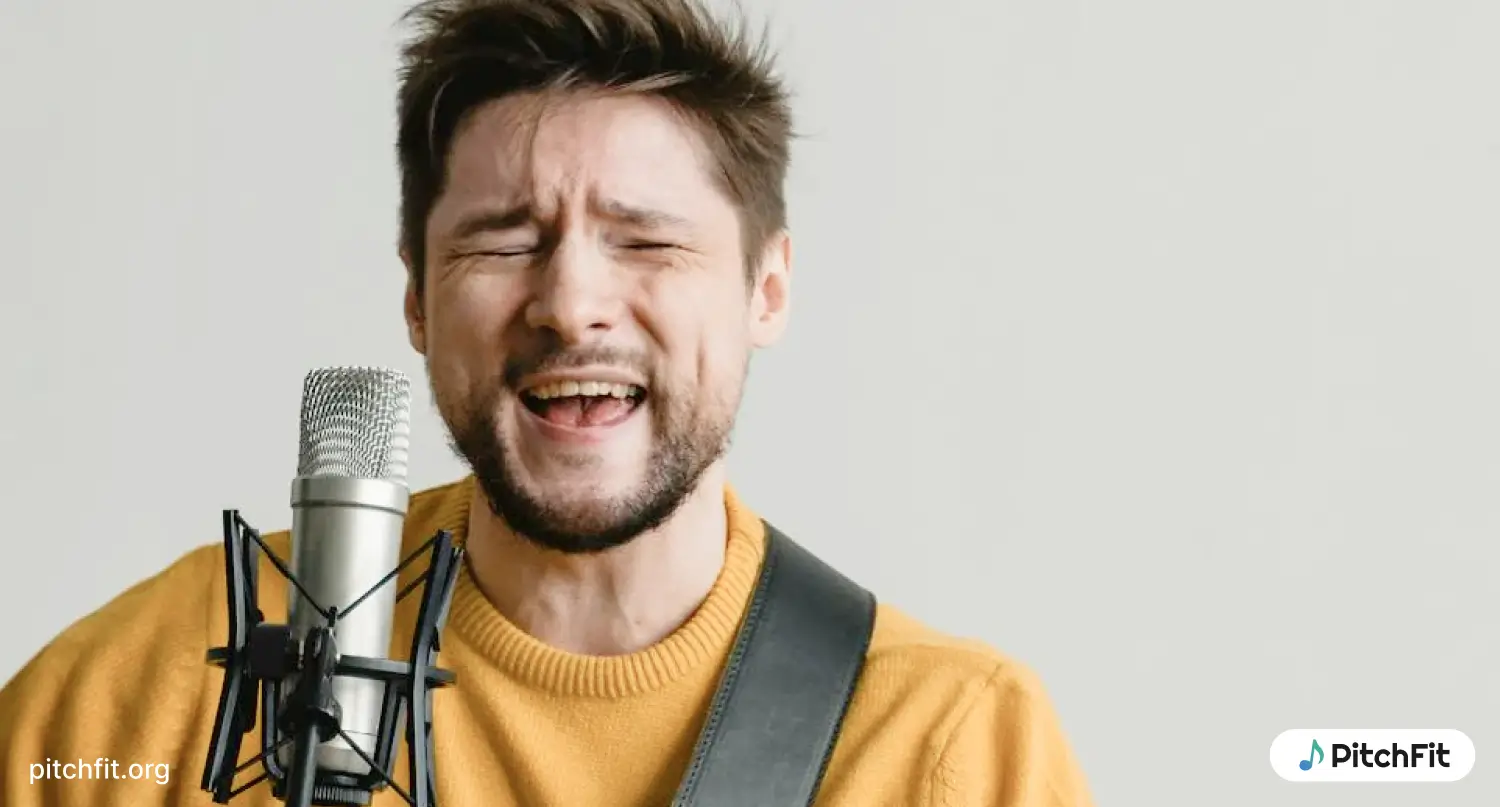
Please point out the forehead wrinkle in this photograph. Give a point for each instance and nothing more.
(508, 129)
(523, 159)
(520, 140)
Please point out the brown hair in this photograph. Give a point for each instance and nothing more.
(467, 52)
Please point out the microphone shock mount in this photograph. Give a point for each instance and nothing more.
(293, 681)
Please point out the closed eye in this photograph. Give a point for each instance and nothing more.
(647, 245)
(508, 252)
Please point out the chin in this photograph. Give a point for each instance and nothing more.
(587, 484)
(578, 518)
(582, 511)
(581, 489)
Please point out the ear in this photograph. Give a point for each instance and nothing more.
(416, 323)
(771, 295)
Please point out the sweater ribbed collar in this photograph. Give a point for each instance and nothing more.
(704, 639)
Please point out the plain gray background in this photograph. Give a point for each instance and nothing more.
(1153, 342)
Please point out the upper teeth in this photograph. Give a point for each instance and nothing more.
(567, 389)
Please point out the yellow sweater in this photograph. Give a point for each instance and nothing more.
(935, 720)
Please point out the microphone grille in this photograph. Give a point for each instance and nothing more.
(356, 422)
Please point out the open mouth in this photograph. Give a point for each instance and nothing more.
(583, 404)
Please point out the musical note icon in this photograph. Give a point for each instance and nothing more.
(1307, 764)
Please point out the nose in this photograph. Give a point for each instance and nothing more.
(576, 294)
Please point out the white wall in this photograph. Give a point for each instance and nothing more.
(1154, 342)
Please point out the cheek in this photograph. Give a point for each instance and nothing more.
(705, 338)
(469, 316)
(465, 327)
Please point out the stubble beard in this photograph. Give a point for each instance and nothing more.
(686, 439)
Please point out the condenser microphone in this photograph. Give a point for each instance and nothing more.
(349, 503)
(333, 703)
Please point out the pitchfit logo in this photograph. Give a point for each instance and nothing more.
(1372, 755)
(1307, 764)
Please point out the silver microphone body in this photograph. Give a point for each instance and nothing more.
(349, 502)
(346, 536)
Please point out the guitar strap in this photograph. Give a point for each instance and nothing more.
(781, 701)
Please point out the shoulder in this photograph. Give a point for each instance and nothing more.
(907, 643)
(956, 671)
(152, 611)
(984, 725)
(118, 674)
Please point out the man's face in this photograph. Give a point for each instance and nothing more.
(587, 320)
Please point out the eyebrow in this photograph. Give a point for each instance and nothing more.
(500, 219)
(638, 216)
(490, 220)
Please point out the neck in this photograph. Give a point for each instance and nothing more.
(609, 603)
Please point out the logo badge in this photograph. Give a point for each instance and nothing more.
(1372, 755)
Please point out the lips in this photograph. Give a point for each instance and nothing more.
(583, 403)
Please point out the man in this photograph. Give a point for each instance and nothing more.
(594, 232)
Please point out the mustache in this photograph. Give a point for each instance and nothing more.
(553, 359)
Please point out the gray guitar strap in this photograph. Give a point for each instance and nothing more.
(781, 701)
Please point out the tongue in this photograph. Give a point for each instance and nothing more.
(582, 411)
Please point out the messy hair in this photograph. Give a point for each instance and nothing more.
(468, 52)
